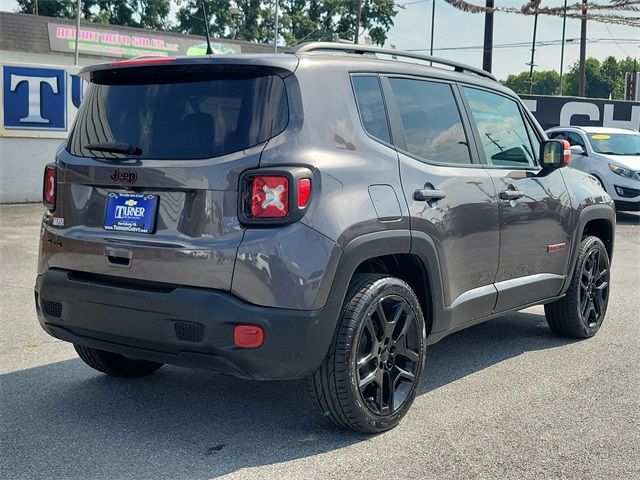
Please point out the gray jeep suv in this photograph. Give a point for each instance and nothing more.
(326, 213)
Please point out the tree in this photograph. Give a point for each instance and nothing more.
(133, 13)
(604, 80)
(49, 8)
(544, 83)
(300, 20)
(190, 17)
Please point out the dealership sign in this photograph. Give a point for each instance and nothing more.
(39, 101)
(109, 42)
(585, 112)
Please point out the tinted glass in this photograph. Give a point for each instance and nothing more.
(502, 130)
(181, 120)
(371, 106)
(431, 120)
(575, 139)
(571, 137)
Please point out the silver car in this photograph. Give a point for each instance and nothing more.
(612, 155)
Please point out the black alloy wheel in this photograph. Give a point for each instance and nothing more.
(580, 313)
(370, 376)
(594, 289)
(388, 355)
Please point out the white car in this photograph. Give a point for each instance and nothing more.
(612, 155)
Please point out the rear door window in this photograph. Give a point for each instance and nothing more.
(371, 106)
(181, 119)
(431, 121)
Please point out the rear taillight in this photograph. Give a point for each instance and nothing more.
(304, 192)
(274, 195)
(269, 196)
(49, 187)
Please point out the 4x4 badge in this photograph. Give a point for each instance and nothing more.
(124, 176)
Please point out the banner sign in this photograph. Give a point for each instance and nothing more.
(39, 101)
(584, 112)
(109, 42)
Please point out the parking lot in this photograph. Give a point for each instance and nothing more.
(505, 399)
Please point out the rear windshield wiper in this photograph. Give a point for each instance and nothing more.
(114, 147)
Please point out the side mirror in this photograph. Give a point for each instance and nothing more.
(555, 153)
(577, 150)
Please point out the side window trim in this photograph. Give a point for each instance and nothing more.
(531, 130)
(397, 129)
(384, 104)
(476, 132)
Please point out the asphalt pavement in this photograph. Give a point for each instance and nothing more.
(505, 399)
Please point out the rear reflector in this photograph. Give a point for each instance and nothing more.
(248, 336)
(304, 190)
(566, 153)
(269, 196)
(143, 61)
(49, 187)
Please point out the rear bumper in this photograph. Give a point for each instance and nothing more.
(181, 325)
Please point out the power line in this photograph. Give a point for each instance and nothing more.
(541, 43)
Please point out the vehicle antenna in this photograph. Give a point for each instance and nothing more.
(206, 29)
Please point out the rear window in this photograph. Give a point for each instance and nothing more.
(203, 118)
(371, 106)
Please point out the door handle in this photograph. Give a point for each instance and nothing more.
(119, 257)
(428, 194)
(511, 194)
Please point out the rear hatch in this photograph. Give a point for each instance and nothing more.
(148, 181)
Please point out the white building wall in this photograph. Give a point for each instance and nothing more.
(26, 148)
(22, 162)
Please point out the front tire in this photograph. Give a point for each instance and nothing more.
(114, 364)
(580, 313)
(371, 373)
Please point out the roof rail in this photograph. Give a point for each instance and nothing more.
(368, 49)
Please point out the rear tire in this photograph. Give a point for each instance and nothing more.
(371, 373)
(580, 313)
(114, 364)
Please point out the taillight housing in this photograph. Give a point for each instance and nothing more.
(271, 196)
(49, 186)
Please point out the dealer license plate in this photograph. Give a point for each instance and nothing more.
(130, 212)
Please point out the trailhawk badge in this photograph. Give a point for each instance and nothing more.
(556, 247)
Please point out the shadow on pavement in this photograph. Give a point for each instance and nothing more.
(64, 420)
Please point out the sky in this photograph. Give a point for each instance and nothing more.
(455, 31)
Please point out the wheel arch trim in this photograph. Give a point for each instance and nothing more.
(588, 214)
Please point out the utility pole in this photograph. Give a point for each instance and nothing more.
(275, 27)
(583, 51)
(358, 17)
(564, 28)
(487, 52)
(533, 52)
(76, 54)
(433, 23)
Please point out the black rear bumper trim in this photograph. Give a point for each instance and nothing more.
(141, 324)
